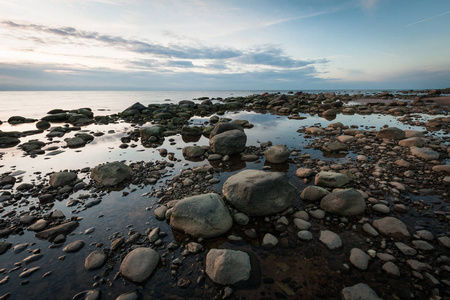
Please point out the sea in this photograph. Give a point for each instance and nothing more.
(35, 104)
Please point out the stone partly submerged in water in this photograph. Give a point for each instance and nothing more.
(139, 264)
(225, 266)
(111, 174)
(347, 202)
(259, 193)
(60, 179)
(360, 291)
(201, 216)
(391, 133)
(228, 142)
(331, 179)
(277, 154)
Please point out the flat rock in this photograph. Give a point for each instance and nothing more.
(225, 266)
(405, 249)
(441, 168)
(391, 226)
(360, 291)
(201, 216)
(346, 139)
(60, 179)
(73, 247)
(303, 172)
(331, 179)
(259, 193)
(412, 142)
(347, 202)
(391, 269)
(139, 264)
(391, 133)
(330, 239)
(95, 260)
(425, 153)
(38, 225)
(51, 233)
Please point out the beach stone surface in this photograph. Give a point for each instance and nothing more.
(59, 179)
(425, 153)
(229, 142)
(313, 193)
(95, 260)
(73, 247)
(331, 179)
(259, 193)
(139, 264)
(347, 202)
(391, 226)
(359, 258)
(277, 154)
(201, 216)
(225, 266)
(391, 133)
(330, 239)
(111, 174)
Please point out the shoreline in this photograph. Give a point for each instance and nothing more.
(384, 166)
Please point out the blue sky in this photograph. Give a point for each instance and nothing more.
(224, 45)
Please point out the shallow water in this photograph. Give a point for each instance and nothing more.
(305, 268)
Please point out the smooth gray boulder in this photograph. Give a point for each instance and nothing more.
(331, 179)
(111, 174)
(222, 127)
(259, 193)
(95, 260)
(201, 216)
(360, 291)
(225, 266)
(330, 239)
(228, 142)
(347, 202)
(153, 131)
(74, 246)
(139, 264)
(193, 151)
(391, 133)
(313, 193)
(391, 226)
(59, 179)
(277, 154)
(424, 153)
(359, 258)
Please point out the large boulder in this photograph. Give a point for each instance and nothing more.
(347, 202)
(277, 154)
(222, 127)
(139, 264)
(201, 216)
(331, 179)
(59, 179)
(259, 193)
(228, 142)
(152, 131)
(225, 266)
(111, 174)
(391, 133)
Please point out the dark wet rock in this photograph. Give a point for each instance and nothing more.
(191, 130)
(313, 193)
(95, 260)
(16, 120)
(4, 246)
(32, 258)
(259, 193)
(73, 247)
(225, 266)
(7, 180)
(425, 153)
(335, 146)
(277, 154)
(391, 226)
(117, 243)
(156, 131)
(38, 225)
(331, 179)
(24, 187)
(229, 142)
(391, 269)
(193, 151)
(330, 239)
(56, 118)
(19, 248)
(7, 142)
(51, 233)
(223, 127)
(201, 216)
(42, 125)
(360, 291)
(60, 179)
(27, 219)
(88, 295)
(391, 133)
(75, 142)
(111, 174)
(347, 202)
(186, 103)
(32, 146)
(46, 198)
(139, 264)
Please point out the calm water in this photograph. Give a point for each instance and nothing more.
(35, 104)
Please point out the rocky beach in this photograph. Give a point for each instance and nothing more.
(268, 196)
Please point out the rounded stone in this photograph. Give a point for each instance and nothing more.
(331, 179)
(225, 266)
(139, 264)
(277, 154)
(95, 260)
(347, 202)
(74, 246)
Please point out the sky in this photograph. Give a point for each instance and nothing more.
(224, 45)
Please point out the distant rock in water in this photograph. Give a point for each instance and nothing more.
(111, 174)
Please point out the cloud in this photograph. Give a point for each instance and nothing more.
(369, 5)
